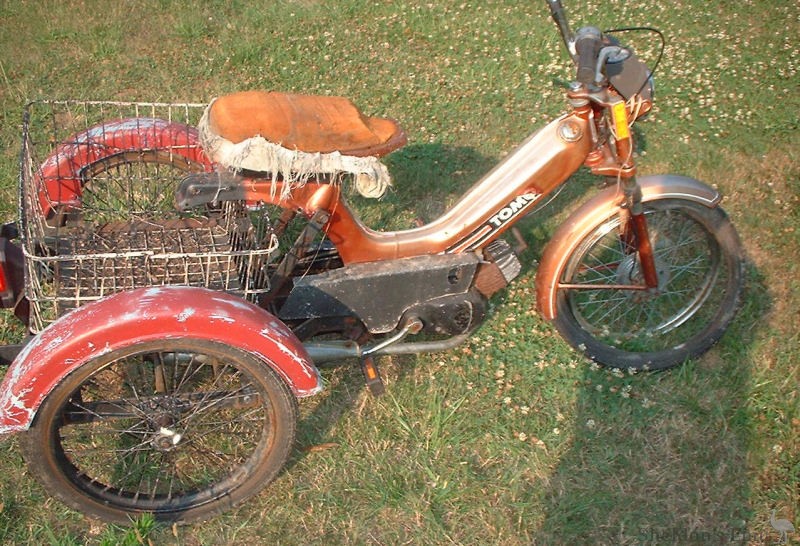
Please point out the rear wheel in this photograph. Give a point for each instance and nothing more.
(698, 258)
(181, 428)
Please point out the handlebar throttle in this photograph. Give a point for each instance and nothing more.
(588, 42)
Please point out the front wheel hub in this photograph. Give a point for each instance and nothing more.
(630, 272)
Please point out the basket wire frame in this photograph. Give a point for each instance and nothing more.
(123, 231)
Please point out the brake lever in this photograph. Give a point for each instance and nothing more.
(609, 54)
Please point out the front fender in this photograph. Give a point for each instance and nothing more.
(143, 315)
(603, 205)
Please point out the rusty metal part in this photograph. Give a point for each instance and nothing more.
(603, 162)
(645, 250)
(489, 279)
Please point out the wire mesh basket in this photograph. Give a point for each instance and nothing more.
(97, 183)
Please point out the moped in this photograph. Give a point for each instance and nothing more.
(184, 270)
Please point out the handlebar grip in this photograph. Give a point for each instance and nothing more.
(587, 46)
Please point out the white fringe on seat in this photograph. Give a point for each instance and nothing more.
(294, 167)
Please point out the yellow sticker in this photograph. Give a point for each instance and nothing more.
(620, 114)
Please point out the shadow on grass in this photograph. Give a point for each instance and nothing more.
(667, 464)
(656, 458)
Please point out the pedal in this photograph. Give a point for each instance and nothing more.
(372, 376)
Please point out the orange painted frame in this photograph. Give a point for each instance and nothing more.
(538, 166)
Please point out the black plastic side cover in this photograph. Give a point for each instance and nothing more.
(380, 292)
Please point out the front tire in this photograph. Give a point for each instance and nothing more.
(700, 268)
(182, 429)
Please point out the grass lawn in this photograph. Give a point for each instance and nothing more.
(511, 438)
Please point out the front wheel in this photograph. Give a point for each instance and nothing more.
(698, 259)
(179, 428)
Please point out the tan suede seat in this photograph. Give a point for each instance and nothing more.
(308, 123)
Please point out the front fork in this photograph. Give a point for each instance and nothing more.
(633, 230)
(633, 223)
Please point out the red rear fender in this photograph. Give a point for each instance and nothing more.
(143, 315)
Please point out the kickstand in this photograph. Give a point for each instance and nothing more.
(372, 376)
(368, 366)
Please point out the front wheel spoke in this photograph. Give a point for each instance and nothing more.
(613, 297)
(679, 293)
(653, 319)
(632, 321)
(598, 314)
(692, 248)
(684, 271)
(601, 269)
(673, 248)
(615, 304)
(585, 277)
